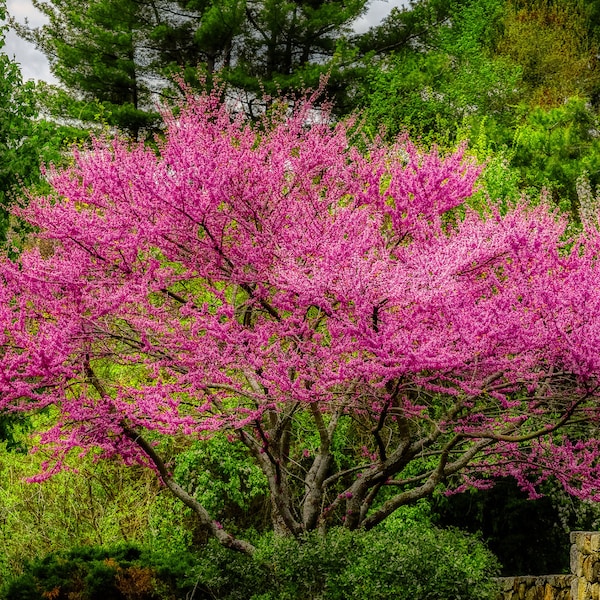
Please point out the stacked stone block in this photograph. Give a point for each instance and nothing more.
(548, 587)
(582, 584)
(585, 565)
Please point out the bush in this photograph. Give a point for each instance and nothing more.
(429, 564)
(397, 561)
(123, 572)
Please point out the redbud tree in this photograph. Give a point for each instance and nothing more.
(274, 283)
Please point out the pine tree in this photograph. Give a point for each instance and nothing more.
(111, 55)
(97, 49)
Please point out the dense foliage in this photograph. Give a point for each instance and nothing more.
(110, 56)
(270, 282)
(26, 139)
(421, 563)
(122, 572)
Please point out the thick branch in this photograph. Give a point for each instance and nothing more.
(315, 478)
(280, 493)
(442, 471)
(506, 437)
(224, 538)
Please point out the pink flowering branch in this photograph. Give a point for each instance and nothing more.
(272, 283)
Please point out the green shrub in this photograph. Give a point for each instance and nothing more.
(400, 560)
(122, 572)
(428, 564)
(395, 561)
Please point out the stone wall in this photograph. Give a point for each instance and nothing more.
(585, 565)
(582, 584)
(549, 587)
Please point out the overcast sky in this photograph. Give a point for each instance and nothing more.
(35, 66)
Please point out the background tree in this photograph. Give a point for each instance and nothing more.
(413, 25)
(111, 56)
(27, 138)
(445, 76)
(287, 292)
(553, 147)
(563, 62)
(203, 37)
(17, 109)
(289, 45)
(98, 51)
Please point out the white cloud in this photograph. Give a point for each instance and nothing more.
(24, 9)
(378, 10)
(34, 64)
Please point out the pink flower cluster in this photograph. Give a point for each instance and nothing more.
(247, 268)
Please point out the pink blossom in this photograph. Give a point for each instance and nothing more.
(252, 280)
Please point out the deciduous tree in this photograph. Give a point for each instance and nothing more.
(273, 283)
(563, 62)
(17, 109)
(26, 138)
(444, 77)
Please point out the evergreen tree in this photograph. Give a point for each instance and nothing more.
(97, 49)
(412, 26)
(204, 34)
(110, 55)
(288, 45)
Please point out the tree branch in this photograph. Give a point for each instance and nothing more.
(211, 526)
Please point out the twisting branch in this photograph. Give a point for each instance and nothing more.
(441, 472)
(314, 482)
(280, 494)
(506, 437)
(209, 524)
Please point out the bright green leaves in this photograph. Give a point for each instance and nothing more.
(220, 474)
(472, 71)
(432, 90)
(552, 148)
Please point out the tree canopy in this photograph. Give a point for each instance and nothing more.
(111, 57)
(97, 51)
(16, 111)
(27, 139)
(272, 283)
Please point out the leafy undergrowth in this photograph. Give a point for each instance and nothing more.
(393, 562)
